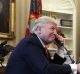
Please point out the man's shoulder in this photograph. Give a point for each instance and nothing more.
(31, 38)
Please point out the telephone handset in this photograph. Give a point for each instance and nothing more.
(57, 41)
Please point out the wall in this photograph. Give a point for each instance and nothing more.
(22, 13)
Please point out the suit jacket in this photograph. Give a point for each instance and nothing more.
(29, 58)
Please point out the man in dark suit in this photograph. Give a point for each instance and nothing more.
(30, 56)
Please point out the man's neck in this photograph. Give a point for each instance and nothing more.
(45, 45)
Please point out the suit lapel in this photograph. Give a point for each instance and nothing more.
(35, 40)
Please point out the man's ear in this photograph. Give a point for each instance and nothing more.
(39, 29)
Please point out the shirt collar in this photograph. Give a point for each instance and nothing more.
(41, 41)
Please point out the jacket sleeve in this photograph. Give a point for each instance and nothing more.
(58, 60)
(40, 65)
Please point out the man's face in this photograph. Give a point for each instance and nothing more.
(48, 32)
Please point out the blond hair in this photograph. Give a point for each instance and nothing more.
(40, 22)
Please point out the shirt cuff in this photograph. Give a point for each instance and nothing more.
(74, 68)
(60, 53)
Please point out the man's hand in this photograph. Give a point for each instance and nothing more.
(60, 38)
(59, 41)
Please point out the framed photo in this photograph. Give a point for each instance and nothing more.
(7, 16)
(67, 23)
